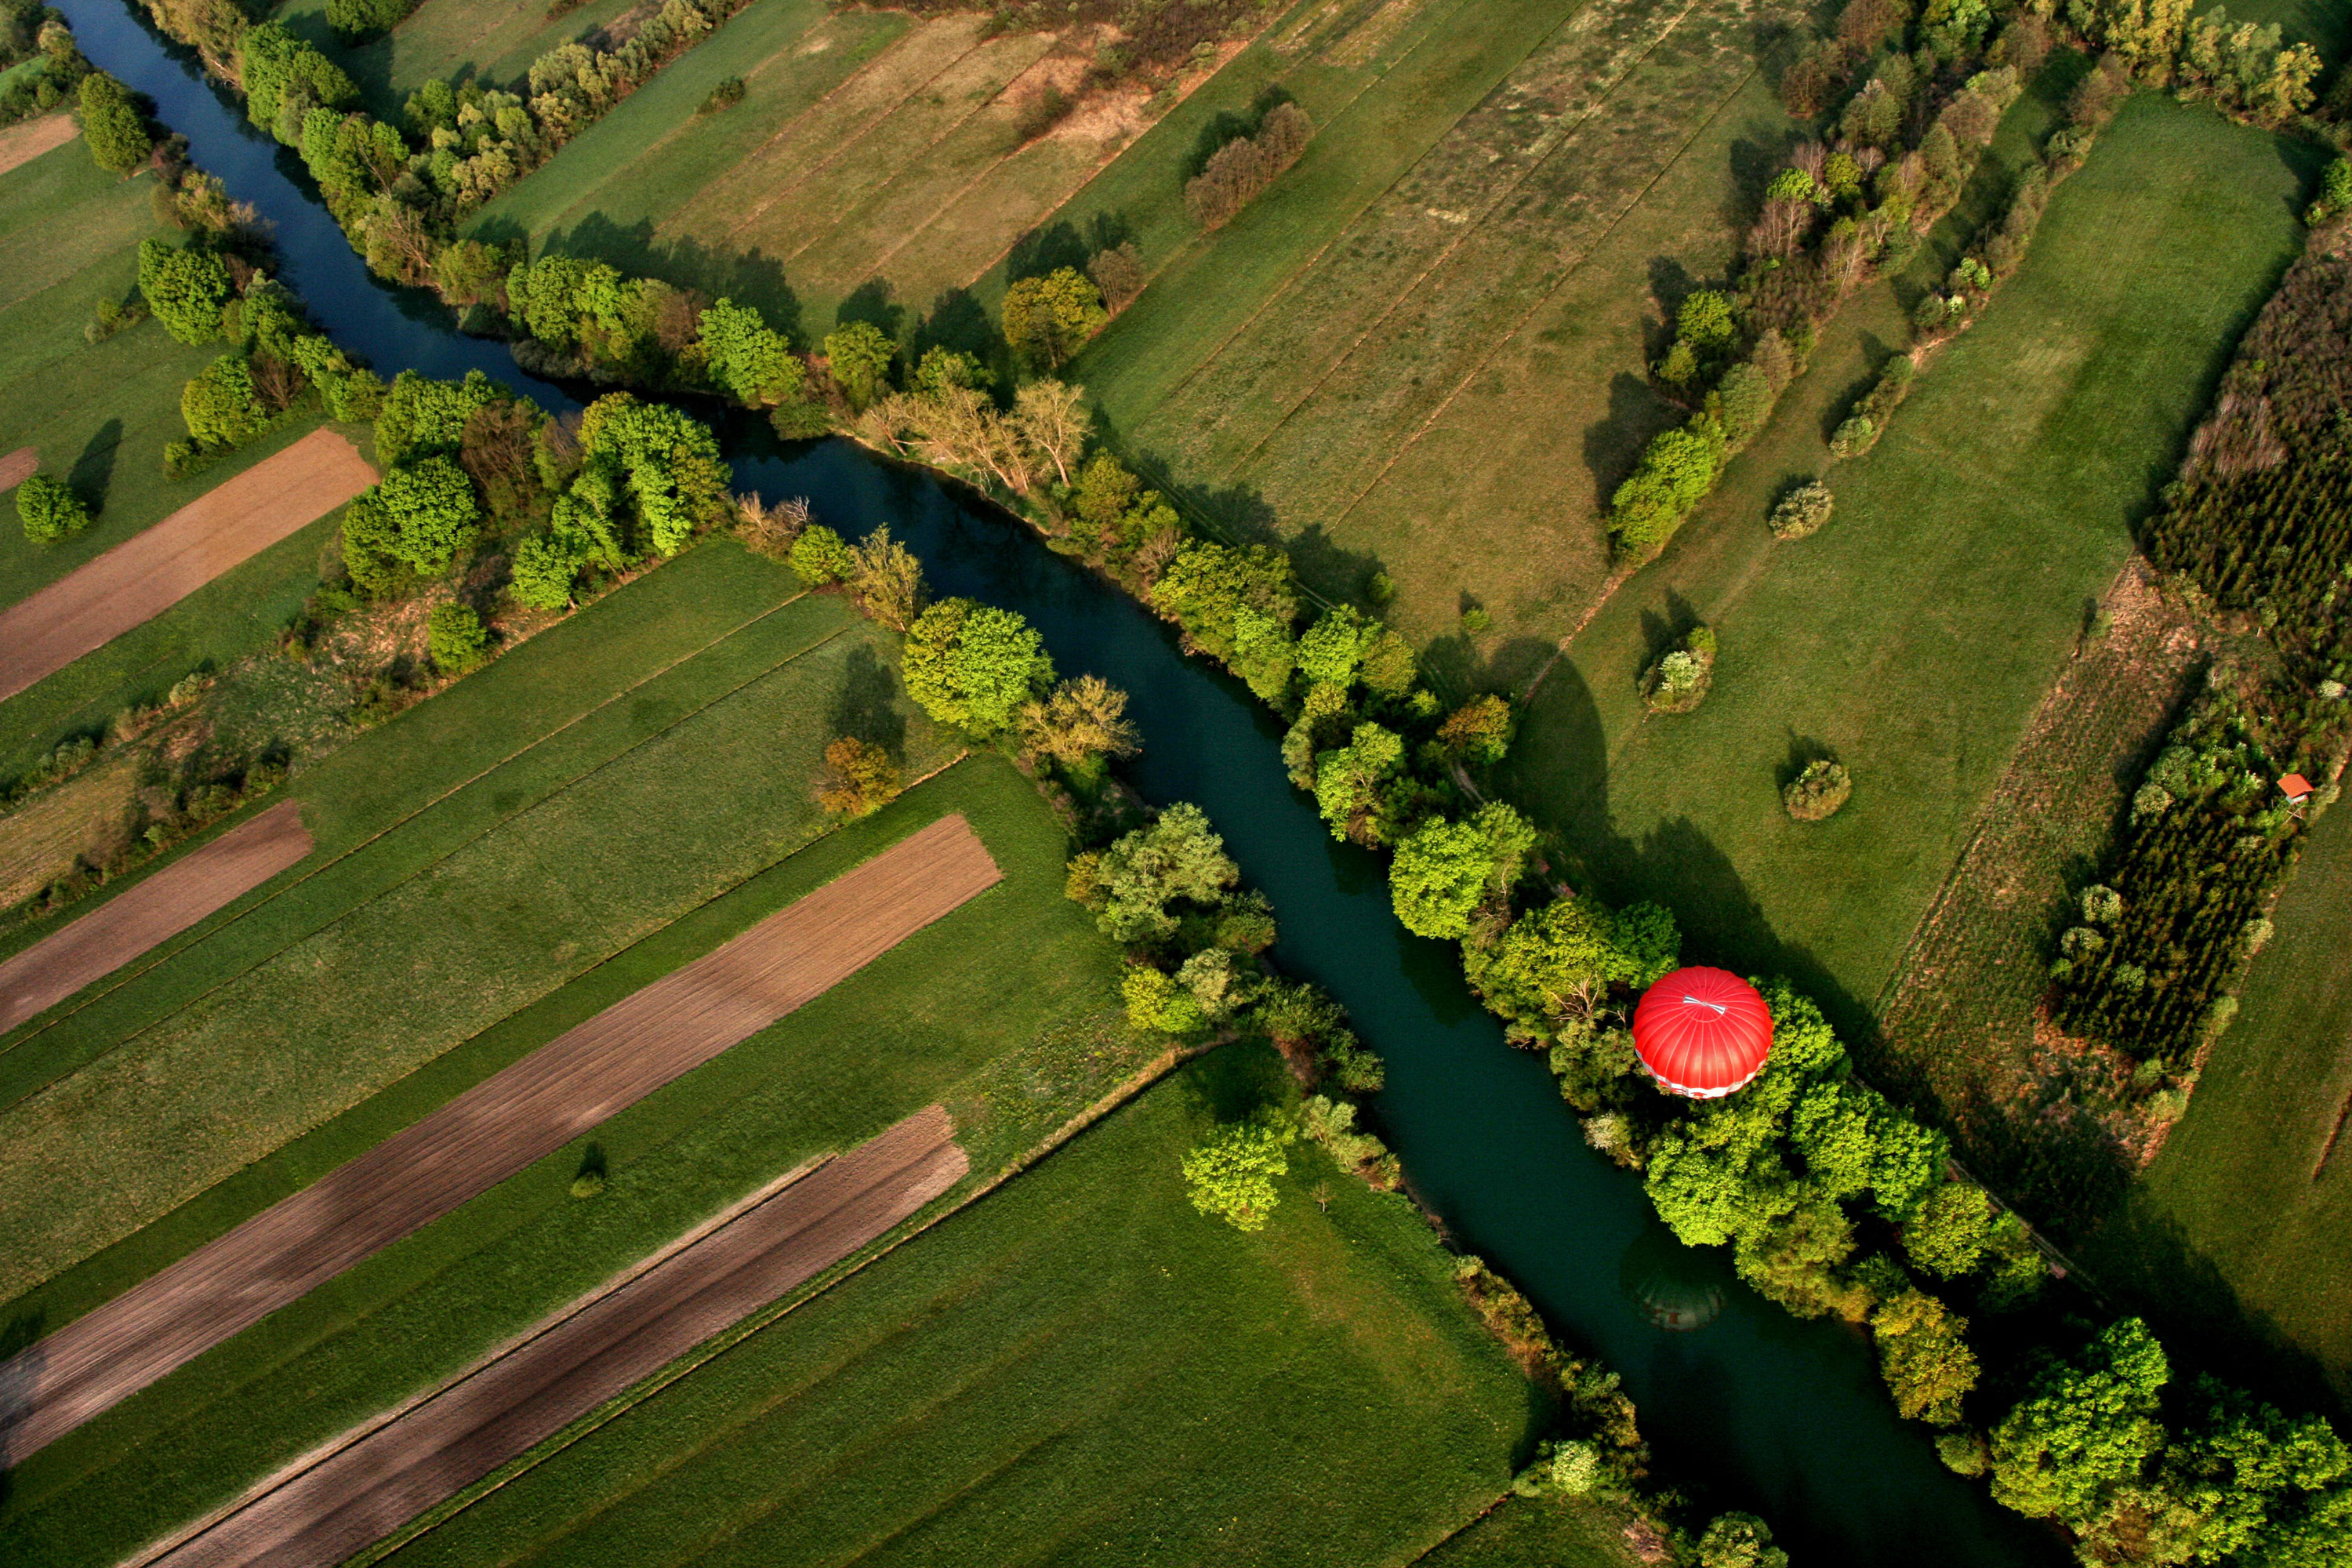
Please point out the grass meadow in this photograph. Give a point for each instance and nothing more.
(594, 840)
(1915, 636)
(492, 40)
(1079, 1368)
(99, 415)
(2242, 1226)
(1552, 1533)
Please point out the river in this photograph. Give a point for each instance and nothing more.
(1754, 1409)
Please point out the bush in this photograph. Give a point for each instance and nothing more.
(457, 639)
(1802, 510)
(1855, 434)
(49, 510)
(1675, 472)
(725, 96)
(1818, 791)
(857, 780)
(1678, 682)
(822, 556)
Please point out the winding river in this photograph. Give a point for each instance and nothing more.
(1752, 1408)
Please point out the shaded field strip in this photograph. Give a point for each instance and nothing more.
(19, 464)
(155, 911)
(23, 144)
(368, 1483)
(145, 575)
(502, 1124)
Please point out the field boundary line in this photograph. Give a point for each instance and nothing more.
(1574, 269)
(368, 1426)
(843, 221)
(859, 135)
(1201, 241)
(726, 1340)
(391, 827)
(1560, 140)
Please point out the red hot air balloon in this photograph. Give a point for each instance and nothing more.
(1702, 1032)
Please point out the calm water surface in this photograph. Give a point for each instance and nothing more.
(1755, 1409)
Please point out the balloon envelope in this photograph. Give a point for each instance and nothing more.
(1702, 1032)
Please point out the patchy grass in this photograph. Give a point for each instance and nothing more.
(1079, 1367)
(571, 851)
(1554, 1532)
(1006, 1011)
(492, 40)
(100, 415)
(2240, 1230)
(1917, 633)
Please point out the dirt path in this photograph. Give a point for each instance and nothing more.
(157, 909)
(530, 1109)
(153, 570)
(373, 1480)
(19, 464)
(24, 143)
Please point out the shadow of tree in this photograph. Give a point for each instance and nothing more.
(1613, 444)
(865, 706)
(93, 472)
(870, 302)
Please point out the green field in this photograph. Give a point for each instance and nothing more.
(2237, 1229)
(492, 40)
(100, 415)
(1915, 636)
(1552, 1533)
(1078, 1368)
(1006, 1011)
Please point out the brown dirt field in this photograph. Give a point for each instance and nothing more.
(377, 1477)
(23, 144)
(155, 911)
(40, 840)
(518, 1115)
(1959, 1018)
(148, 574)
(19, 464)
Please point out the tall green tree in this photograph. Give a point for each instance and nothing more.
(1141, 882)
(2086, 1430)
(974, 665)
(48, 509)
(1444, 870)
(112, 125)
(1232, 1175)
(186, 289)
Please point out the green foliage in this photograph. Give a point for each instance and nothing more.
(1264, 653)
(1818, 791)
(1348, 780)
(820, 556)
(1802, 510)
(1680, 680)
(284, 79)
(49, 510)
(1137, 886)
(670, 462)
(1949, 1234)
(1446, 871)
(1232, 1175)
(425, 417)
(112, 125)
(1333, 647)
(545, 569)
(1156, 1003)
(1480, 731)
(2086, 1429)
(1557, 964)
(1739, 1540)
(1923, 1354)
(220, 406)
(457, 639)
(185, 287)
(749, 360)
(1207, 585)
(859, 356)
(417, 518)
(973, 666)
(1049, 319)
(1676, 469)
(357, 19)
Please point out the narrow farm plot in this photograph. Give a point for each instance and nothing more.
(870, 156)
(374, 1480)
(98, 415)
(486, 1134)
(90, 813)
(155, 910)
(142, 577)
(1077, 1368)
(2241, 1228)
(1006, 1013)
(2009, 484)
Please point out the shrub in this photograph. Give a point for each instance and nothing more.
(1855, 434)
(588, 1183)
(49, 510)
(186, 289)
(1232, 1175)
(1802, 510)
(1678, 682)
(822, 556)
(857, 780)
(457, 639)
(1238, 171)
(1818, 791)
(1675, 472)
(1049, 319)
(725, 96)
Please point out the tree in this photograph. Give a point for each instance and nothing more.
(820, 556)
(1179, 859)
(418, 517)
(112, 125)
(1792, 1250)
(1049, 319)
(186, 289)
(676, 480)
(1675, 470)
(220, 407)
(973, 666)
(1479, 731)
(1232, 1175)
(2086, 1429)
(1704, 323)
(887, 579)
(747, 358)
(1739, 1540)
(1444, 870)
(1948, 1235)
(1923, 1354)
(422, 417)
(1051, 417)
(857, 780)
(1557, 964)
(1333, 647)
(545, 568)
(859, 355)
(1347, 779)
(1208, 584)
(1080, 722)
(49, 510)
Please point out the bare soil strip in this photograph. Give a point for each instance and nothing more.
(529, 1109)
(157, 909)
(372, 1480)
(19, 464)
(23, 144)
(145, 575)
